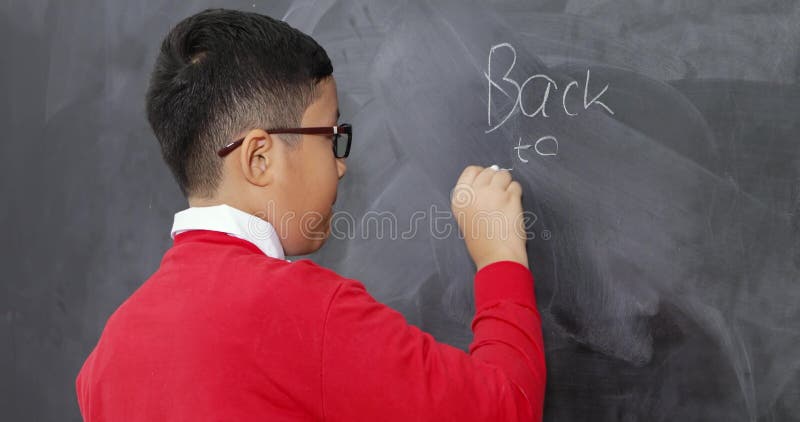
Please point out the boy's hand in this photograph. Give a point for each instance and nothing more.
(488, 207)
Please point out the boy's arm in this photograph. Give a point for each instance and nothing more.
(375, 366)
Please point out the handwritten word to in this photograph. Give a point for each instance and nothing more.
(544, 149)
(513, 90)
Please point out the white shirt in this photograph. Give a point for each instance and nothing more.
(234, 222)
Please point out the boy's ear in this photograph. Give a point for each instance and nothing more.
(256, 157)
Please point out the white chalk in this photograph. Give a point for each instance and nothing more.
(495, 167)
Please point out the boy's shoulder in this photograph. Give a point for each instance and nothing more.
(209, 256)
(308, 276)
(304, 272)
(254, 287)
(243, 279)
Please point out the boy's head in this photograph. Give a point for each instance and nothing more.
(223, 75)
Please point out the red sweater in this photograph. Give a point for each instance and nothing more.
(223, 332)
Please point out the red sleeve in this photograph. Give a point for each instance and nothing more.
(376, 366)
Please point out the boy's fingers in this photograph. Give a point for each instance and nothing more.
(484, 177)
(515, 188)
(469, 174)
(501, 179)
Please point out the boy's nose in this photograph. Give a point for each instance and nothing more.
(341, 167)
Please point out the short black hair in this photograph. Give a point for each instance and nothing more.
(220, 72)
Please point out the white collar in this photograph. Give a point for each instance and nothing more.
(233, 221)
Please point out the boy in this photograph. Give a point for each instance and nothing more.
(227, 329)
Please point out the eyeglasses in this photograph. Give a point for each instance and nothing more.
(342, 135)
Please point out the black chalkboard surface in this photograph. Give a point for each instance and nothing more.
(658, 144)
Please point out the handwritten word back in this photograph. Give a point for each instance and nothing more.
(519, 93)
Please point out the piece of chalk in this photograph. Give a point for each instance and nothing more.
(495, 167)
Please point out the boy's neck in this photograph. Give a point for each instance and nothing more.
(205, 202)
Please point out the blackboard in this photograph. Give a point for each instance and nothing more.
(658, 144)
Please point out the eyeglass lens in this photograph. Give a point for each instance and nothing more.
(340, 142)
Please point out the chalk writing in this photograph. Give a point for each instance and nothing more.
(546, 145)
(524, 97)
